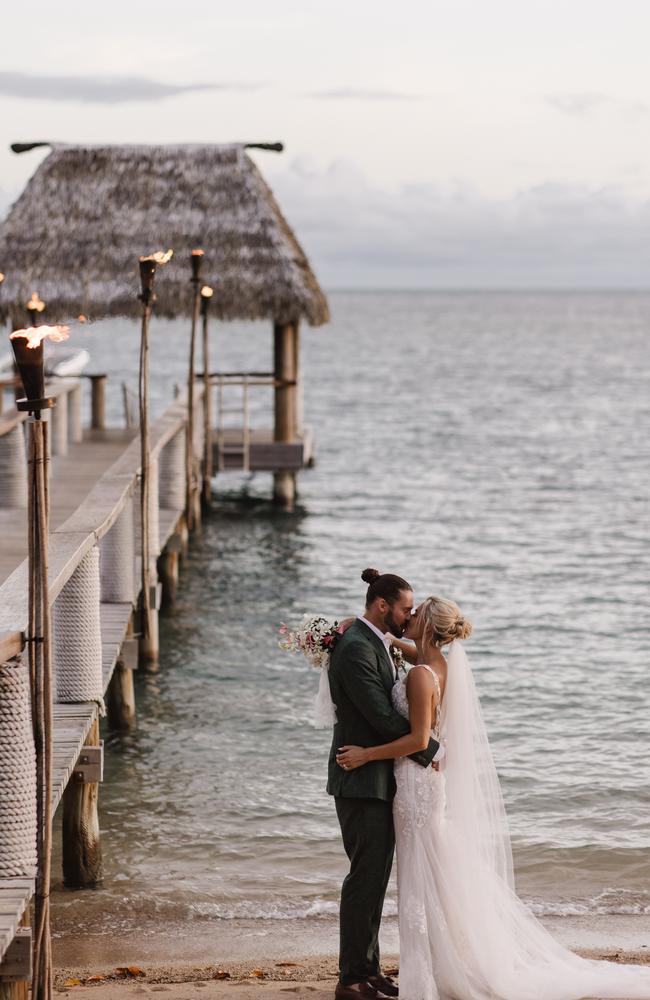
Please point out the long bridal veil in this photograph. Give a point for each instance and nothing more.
(487, 943)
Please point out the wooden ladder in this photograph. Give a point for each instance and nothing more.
(238, 449)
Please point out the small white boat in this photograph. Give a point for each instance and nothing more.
(64, 364)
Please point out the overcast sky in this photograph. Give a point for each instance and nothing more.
(429, 143)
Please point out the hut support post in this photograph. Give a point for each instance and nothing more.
(285, 356)
(98, 402)
(82, 852)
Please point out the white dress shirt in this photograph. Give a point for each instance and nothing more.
(440, 752)
(384, 638)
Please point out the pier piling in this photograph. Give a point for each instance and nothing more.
(82, 851)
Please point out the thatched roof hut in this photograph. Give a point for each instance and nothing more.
(77, 230)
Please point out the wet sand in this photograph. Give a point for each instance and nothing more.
(275, 979)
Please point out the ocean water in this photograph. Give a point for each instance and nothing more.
(492, 448)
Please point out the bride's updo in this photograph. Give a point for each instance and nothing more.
(442, 622)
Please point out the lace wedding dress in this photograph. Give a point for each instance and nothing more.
(464, 933)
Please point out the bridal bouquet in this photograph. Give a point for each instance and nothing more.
(315, 638)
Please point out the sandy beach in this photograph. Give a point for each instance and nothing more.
(271, 979)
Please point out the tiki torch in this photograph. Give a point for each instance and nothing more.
(147, 298)
(206, 295)
(196, 259)
(35, 307)
(28, 351)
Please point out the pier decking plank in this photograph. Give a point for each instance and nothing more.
(115, 620)
(72, 724)
(15, 894)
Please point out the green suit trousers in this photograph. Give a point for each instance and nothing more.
(369, 841)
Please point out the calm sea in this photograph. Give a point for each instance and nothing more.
(492, 448)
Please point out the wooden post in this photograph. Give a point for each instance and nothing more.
(285, 341)
(184, 535)
(59, 420)
(168, 571)
(75, 432)
(98, 402)
(120, 699)
(206, 295)
(190, 477)
(82, 852)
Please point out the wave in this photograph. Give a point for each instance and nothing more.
(610, 902)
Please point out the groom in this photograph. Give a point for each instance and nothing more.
(361, 676)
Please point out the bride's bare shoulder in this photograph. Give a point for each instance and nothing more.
(419, 675)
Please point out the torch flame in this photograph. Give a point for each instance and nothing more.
(159, 257)
(207, 292)
(35, 334)
(36, 304)
(197, 253)
(2, 277)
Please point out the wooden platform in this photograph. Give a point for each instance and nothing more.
(265, 454)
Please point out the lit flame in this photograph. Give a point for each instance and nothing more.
(34, 335)
(36, 304)
(197, 253)
(2, 277)
(207, 292)
(159, 257)
(82, 318)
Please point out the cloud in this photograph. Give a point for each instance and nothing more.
(102, 89)
(433, 236)
(362, 94)
(581, 104)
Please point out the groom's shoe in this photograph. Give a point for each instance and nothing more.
(359, 991)
(385, 985)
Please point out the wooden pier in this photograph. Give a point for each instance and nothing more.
(104, 601)
(94, 483)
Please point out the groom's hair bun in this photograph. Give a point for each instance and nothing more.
(385, 585)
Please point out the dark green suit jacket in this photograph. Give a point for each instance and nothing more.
(361, 679)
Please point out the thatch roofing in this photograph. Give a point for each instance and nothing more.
(77, 230)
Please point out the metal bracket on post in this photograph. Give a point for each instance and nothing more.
(16, 965)
(90, 765)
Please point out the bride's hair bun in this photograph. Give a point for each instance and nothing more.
(370, 575)
(463, 629)
(443, 621)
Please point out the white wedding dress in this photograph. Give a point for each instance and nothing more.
(464, 934)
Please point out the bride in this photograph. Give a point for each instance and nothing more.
(464, 933)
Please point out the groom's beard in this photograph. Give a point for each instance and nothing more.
(390, 625)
